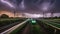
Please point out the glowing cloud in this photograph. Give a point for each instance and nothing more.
(33, 15)
(22, 6)
(46, 5)
(8, 3)
(22, 3)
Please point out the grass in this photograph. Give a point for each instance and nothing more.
(54, 22)
(7, 21)
(36, 29)
(16, 30)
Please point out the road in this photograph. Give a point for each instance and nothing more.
(26, 29)
(32, 28)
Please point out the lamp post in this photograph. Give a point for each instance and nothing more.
(52, 13)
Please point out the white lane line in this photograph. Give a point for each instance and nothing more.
(14, 27)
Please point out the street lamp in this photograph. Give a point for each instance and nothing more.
(52, 13)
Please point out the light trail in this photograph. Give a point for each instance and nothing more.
(8, 3)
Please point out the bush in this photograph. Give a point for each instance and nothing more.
(4, 16)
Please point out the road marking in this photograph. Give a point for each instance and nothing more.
(13, 28)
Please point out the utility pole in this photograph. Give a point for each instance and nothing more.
(52, 13)
(43, 14)
(14, 13)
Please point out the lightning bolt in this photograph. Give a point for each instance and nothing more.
(22, 6)
(8, 3)
(48, 5)
(22, 3)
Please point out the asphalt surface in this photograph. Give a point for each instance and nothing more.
(30, 28)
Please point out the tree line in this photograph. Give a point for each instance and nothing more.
(4, 16)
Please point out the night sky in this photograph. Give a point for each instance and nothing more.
(32, 6)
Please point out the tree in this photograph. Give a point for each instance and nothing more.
(4, 16)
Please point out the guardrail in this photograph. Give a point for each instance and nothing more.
(50, 24)
(14, 27)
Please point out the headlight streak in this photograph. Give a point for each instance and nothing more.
(8, 3)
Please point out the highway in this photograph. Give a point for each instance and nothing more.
(32, 26)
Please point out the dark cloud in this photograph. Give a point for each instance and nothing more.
(34, 5)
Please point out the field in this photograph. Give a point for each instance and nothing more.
(51, 25)
(7, 21)
(52, 22)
